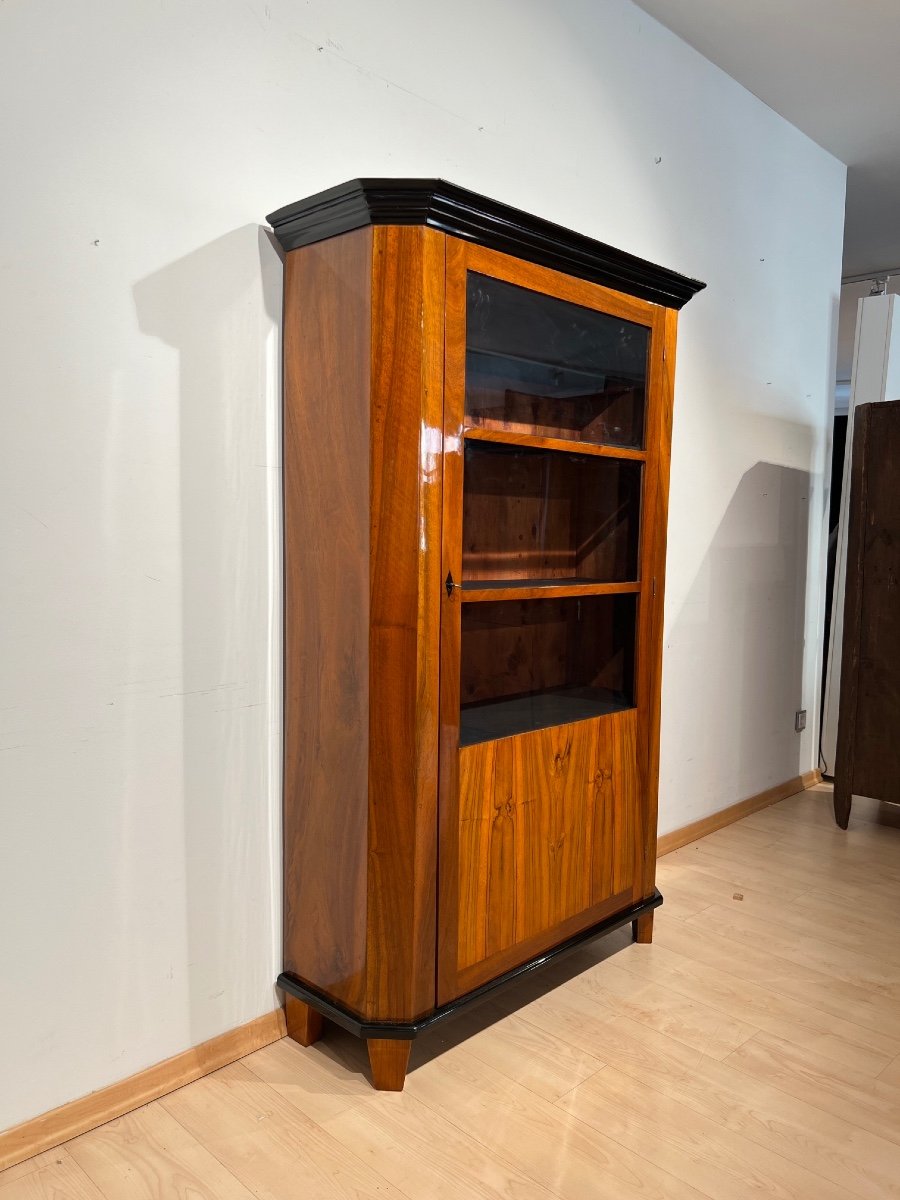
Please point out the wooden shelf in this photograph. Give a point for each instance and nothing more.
(480, 590)
(569, 445)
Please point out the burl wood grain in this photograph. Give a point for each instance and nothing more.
(546, 822)
(327, 352)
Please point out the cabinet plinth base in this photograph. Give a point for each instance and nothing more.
(318, 1005)
(643, 929)
(388, 1058)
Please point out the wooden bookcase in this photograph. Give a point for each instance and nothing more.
(477, 422)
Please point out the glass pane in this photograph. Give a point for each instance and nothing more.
(535, 364)
(533, 663)
(542, 515)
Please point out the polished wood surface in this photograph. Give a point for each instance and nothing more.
(376, 876)
(868, 747)
(653, 575)
(304, 1024)
(53, 1128)
(681, 1069)
(363, 410)
(487, 913)
(546, 822)
(451, 616)
(327, 352)
(405, 583)
(643, 929)
(536, 442)
(559, 589)
(388, 1060)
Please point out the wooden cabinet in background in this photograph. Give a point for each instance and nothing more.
(477, 418)
(868, 745)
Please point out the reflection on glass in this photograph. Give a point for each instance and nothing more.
(529, 664)
(535, 364)
(541, 515)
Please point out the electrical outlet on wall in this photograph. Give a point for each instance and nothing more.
(800, 720)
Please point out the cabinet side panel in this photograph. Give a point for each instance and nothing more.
(326, 523)
(654, 525)
(406, 474)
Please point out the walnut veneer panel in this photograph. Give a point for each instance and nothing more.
(363, 377)
(327, 343)
(407, 411)
(546, 821)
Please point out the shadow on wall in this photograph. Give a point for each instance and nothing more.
(743, 624)
(220, 308)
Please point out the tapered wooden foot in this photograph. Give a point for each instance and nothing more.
(304, 1024)
(388, 1059)
(843, 800)
(642, 929)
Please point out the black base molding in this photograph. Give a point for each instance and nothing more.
(406, 1030)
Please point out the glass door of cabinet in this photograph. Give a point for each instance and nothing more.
(553, 430)
(543, 703)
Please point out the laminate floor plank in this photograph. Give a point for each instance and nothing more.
(754, 868)
(809, 913)
(322, 1080)
(803, 947)
(861, 1163)
(752, 1050)
(757, 964)
(424, 1153)
(49, 1158)
(549, 1067)
(686, 1019)
(146, 1153)
(724, 1164)
(59, 1179)
(859, 1100)
(551, 1147)
(891, 1073)
(862, 1050)
(268, 1144)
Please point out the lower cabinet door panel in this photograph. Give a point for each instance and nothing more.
(545, 841)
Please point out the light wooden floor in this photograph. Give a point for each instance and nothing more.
(753, 1050)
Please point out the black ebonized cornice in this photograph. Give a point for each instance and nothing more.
(464, 214)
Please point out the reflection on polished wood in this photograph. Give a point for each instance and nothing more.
(544, 842)
(698, 1068)
(500, 737)
(535, 441)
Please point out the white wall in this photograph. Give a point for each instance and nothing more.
(142, 145)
